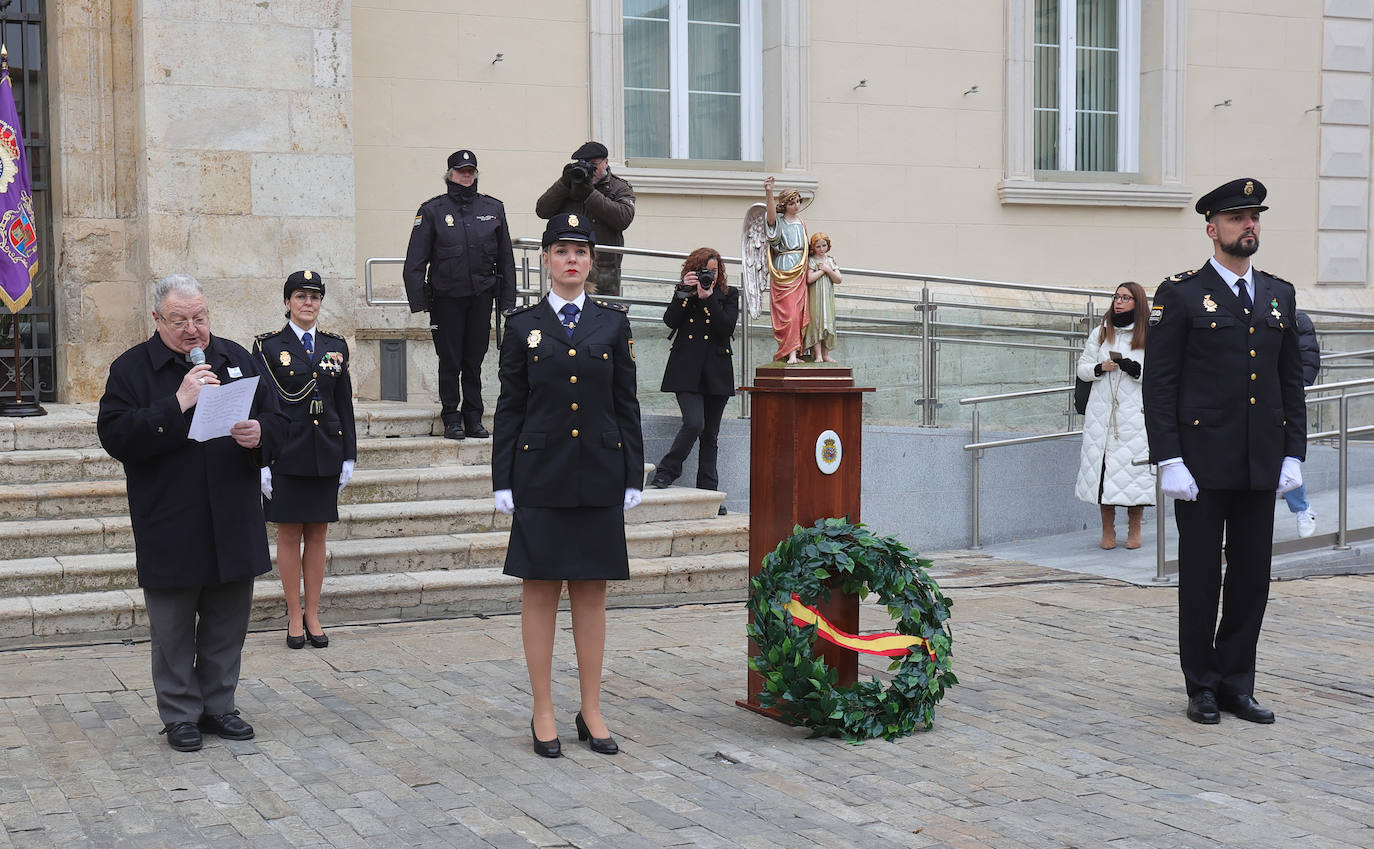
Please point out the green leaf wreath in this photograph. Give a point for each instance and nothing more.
(800, 685)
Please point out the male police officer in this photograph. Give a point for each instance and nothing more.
(458, 260)
(588, 189)
(1227, 425)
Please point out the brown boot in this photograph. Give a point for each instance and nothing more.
(1108, 526)
(1133, 517)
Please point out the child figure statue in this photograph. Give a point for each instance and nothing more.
(822, 276)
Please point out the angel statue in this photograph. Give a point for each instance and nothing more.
(775, 250)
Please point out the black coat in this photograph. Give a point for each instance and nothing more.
(1309, 350)
(701, 358)
(1224, 390)
(317, 396)
(567, 430)
(459, 248)
(196, 507)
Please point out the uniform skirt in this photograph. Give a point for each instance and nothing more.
(302, 499)
(568, 544)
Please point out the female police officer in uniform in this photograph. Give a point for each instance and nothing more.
(308, 368)
(567, 461)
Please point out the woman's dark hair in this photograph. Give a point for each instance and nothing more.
(697, 260)
(1140, 316)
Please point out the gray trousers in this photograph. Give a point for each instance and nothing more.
(197, 647)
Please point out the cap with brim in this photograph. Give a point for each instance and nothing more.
(567, 227)
(591, 150)
(462, 159)
(1242, 193)
(308, 280)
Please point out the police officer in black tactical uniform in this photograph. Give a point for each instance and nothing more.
(458, 261)
(1227, 425)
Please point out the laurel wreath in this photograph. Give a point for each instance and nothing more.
(801, 686)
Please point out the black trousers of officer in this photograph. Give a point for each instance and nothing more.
(196, 635)
(461, 328)
(606, 274)
(701, 416)
(1222, 658)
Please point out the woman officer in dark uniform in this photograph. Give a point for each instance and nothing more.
(700, 369)
(302, 481)
(567, 461)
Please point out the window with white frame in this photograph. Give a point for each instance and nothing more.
(1087, 85)
(692, 79)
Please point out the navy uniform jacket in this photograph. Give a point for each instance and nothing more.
(317, 395)
(195, 506)
(459, 249)
(567, 421)
(700, 360)
(1224, 390)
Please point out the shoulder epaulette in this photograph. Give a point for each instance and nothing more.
(1274, 276)
(268, 335)
(610, 306)
(333, 335)
(433, 199)
(1181, 276)
(492, 197)
(517, 310)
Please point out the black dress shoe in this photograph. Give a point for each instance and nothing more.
(600, 745)
(546, 748)
(226, 725)
(1246, 708)
(453, 431)
(1202, 707)
(318, 641)
(477, 431)
(722, 511)
(183, 736)
(661, 481)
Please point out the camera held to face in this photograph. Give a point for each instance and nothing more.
(582, 171)
(706, 278)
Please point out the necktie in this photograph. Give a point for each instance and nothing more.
(308, 343)
(569, 313)
(1243, 294)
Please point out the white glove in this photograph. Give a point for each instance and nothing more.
(346, 475)
(505, 501)
(1290, 476)
(265, 474)
(632, 498)
(1177, 482)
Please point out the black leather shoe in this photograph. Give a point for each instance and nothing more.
(453, 431)
(318, 641)
(546, 748)
(295, 642)
(1202, 707)
(226, 725)
(722, 511)
(476, 431)
(1246, 708)
(183, 736)
(600, 745)
(661, 481)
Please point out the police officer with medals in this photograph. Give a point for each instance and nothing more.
(459, 260)
(309, 370)
(567, 461)
(1227, 424)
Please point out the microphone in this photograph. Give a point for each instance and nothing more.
(196, 356)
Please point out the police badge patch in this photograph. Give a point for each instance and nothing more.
(1156, 313)
(285, 358)
(532, 340)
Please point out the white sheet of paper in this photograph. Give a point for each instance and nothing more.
(221, 407)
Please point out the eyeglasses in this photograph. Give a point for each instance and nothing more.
(200, 322)
(1123, 297)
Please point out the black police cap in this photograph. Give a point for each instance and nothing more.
(309, 280)
(591, 150)
(462, 159)
(568, 227)
(1244, 193)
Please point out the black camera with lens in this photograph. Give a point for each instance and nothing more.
(581, 171)
(706, 278)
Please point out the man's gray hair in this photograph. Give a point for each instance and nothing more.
(176, 284)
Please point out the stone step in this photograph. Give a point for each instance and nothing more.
(51, 465)
(399, 452)
(390, 596)
(83, 573)
(69, 499)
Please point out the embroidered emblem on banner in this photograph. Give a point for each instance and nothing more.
(17, 235)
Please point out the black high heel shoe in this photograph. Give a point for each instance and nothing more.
(600, 745)
(318, 641)
(546, 748)
(294, 642)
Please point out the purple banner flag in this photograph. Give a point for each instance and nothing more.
(18, 240)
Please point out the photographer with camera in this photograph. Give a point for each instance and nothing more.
(700, 369)
(603, 201)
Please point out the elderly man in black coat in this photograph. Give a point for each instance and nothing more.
(197, 518)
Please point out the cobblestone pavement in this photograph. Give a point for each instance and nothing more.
(1067, 730)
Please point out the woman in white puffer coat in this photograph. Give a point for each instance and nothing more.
(1114, 423)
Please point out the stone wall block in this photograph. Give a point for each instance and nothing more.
(322, 122)
(243, 307)
(118, 313)
(88, 185)
(215, 182)
(298, 184)
(1347, 46)
(1342, 257)
(168, 243)
(1349, 9)
(233, 246)
(204, 118)
(1345, 98)
(1345, 152)
(331, 14)
(1344, 205)
(91, 249)
(323, 244)
(333, 66)
(209, 53)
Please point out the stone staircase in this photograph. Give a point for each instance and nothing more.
(417, 535)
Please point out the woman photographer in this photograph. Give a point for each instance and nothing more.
(700, 368)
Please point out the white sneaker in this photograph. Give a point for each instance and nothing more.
(1307, 524)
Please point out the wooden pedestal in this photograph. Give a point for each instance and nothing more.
(792, 407)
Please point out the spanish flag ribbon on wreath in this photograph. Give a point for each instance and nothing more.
(18, 240)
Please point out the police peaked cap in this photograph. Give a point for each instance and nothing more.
(462, 159)
(1244, 193)
(308, 280)
(568, 227)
